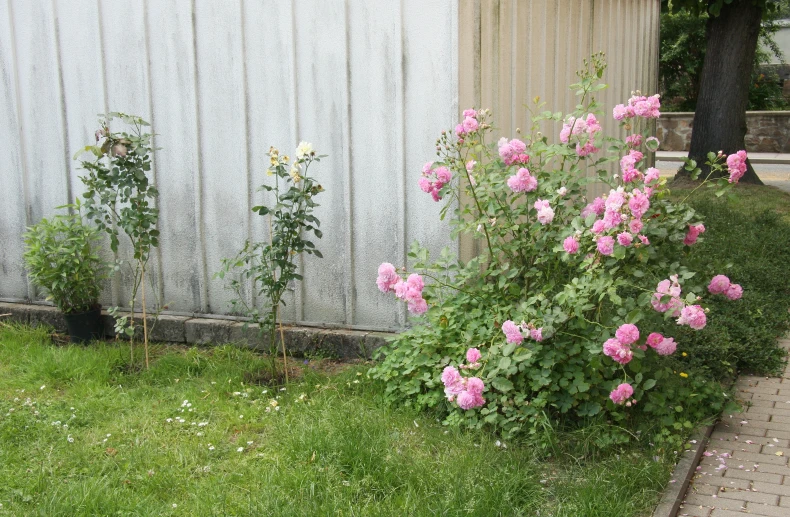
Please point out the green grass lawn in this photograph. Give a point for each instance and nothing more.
(82, 435)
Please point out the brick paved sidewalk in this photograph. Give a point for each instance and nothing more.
(744, 470)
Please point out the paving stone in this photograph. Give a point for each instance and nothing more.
(753, 476)
(693, 511)
(771, 488)
(765, 510)
(782, 470)
(744, 457)
(725, 513)
(715, 502)
(754, 497)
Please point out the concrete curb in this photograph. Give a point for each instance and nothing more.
(337, 343)
(684, 471)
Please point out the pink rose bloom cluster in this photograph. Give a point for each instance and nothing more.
(409, 290)
(619, 208)
(513, 332)
(512, 151)
(522, 181)
(693, 316)
(467, 392)
(694, 231)
(670, 288)
(468, 125)
(638, 106)
(736, 164)
(720, 284)
(622, 393)
(662, 345)
(581, 126)
(432, 180)
(545, 212)
(628, 166)
(619, 347)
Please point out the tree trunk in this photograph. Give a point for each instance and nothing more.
(720, 118)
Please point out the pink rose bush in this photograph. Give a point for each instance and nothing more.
(600, 283)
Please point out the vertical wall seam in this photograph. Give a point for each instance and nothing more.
(160, 279)
(402, 201)
(513, 68)
(200, 222)
(247, 130)
(63, 117)
(349, 204)
(456, 108)
(478, 56)
(115, 282)
(299, 289)
(31, 288)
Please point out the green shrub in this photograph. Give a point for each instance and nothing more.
(61, 257)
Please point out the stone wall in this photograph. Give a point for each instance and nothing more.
(768, 131)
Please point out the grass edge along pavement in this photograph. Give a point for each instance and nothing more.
(128, 444)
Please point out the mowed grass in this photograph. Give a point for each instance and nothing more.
(81, 434)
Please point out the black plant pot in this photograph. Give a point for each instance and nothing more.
(85, 326)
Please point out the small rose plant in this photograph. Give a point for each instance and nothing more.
(574, 306)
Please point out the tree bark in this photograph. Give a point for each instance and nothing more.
(720, 117)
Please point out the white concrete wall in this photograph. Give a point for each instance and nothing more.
(370, 83)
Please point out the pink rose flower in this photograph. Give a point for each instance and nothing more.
(598, 227)
(666, 346)
(467, 400)
(634, 140)
(625, 239)
(736, 164)
(693, 232)
(417, 306)
(719, 284)
(473, 355)
(644, 240)
(443, 174)
(627, 334)
(453, 382)
(622, 393)
(387, 277)
(536, 334)
(635, 225)
(570, 244)
(522, 181)
(474, 386)
(654, 339)
(638, 204)
(631, 175)
(470, 125)
(652, 174)
(605, 245)
(470, 113)
(693, 316)
(512, 332)
(614, 200)
(617, 351)
(734, 292)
